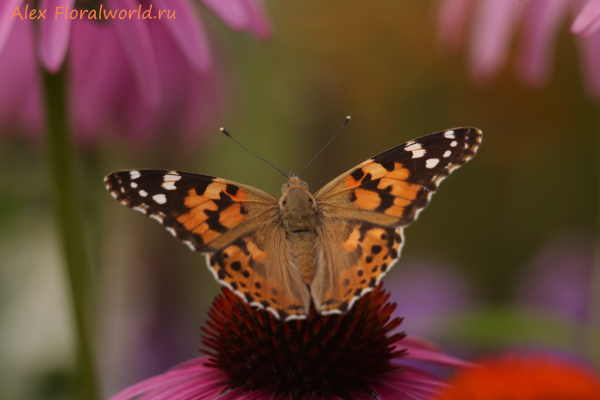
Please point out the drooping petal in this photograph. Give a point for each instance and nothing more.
(20, 103)
(188, 32)
(7, 8)
(231, 12)
(494, 25)
(590, 53)
(100, 77)
(540, 25)
(55, 32)
(135, 38)
(452, 18)
(203, 380)
(258, 22)
(588, 19)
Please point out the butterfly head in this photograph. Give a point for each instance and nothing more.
(296, 202)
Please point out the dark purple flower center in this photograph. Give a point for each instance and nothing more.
(317, 357)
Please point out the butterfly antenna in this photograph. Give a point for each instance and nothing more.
(330, 140)
(247, 149)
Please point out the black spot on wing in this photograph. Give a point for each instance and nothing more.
(232, 189)
(357, 174)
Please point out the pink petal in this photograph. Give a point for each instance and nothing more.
(540, 26)
(588, 19)
(435, 357)
(54, 34)
(451, 19)
(231, 12)
(495, 22)
(170, 379)
(259, 23)
(135, 38)
(7, 7)
(590, 53)
(188, 33)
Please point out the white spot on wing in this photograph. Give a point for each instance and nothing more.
(432, 162)
(272, 311)
(133, 185)
(135, 174)
(292, 317)
(418, 153)
(113, 194)
(157, 217)
(413, 147)
(447, 153)
(160, 198)
(449, 135)
(169, 185)
(189, 244)
(331, 312)
(171, 231)
(143, 193)
(140, 209)
(454, 143)
(172, 177)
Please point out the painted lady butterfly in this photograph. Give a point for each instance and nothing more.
(279, 253)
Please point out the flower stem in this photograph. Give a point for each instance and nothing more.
(70, 226)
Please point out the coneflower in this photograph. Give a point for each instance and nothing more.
(252, 355)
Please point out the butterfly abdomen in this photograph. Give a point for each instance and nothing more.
(303, 249)
(299, 215)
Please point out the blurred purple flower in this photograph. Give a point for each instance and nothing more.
(558, 278)
(427, 294)
(140, 76)
(495, 22)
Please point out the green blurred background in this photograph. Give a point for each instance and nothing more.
(534, 180)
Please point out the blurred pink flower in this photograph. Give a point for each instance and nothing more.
(254, 356)
(139, 76)
(494, 22)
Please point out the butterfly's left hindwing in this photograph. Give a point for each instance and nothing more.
(371, 204)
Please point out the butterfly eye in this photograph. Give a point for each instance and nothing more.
(311, 200)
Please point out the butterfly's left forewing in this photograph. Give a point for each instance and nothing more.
(365, 210)
(235, 225)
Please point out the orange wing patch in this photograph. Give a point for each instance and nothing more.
(375, 249)
(379, 188)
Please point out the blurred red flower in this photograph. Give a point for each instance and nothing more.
(524, 377)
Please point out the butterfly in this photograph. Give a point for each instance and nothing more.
(330, 247)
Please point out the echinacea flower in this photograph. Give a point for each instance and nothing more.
(525, 377)
(495, 22)
(252, 355)
(133, 75)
